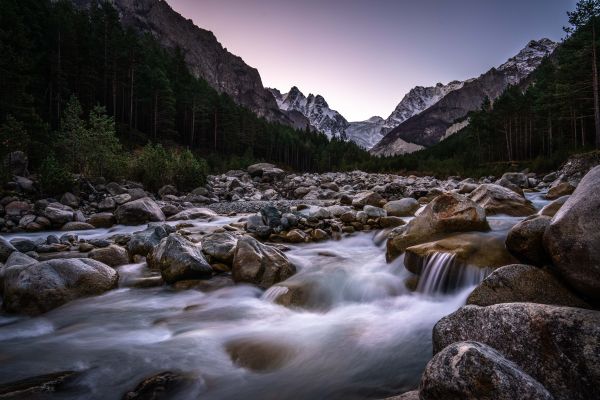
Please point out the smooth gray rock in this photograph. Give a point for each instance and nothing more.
(220, 246)
(525, 240)
(142, 242)
(6, 249)
(138, 212)
(496, 199)
(401, 208)
(179, 259)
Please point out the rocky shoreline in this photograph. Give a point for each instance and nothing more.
(530, 330)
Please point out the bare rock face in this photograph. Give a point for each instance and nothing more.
(573, 237)
(557, 346)
(447, 213)
(35, 288)
(496, 199)
(523, 283)
(473, 371)
(260, 264)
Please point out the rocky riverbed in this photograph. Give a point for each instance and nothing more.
(306, 286)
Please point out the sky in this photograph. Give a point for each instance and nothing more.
(363, 56)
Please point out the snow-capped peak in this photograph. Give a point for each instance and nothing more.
(527, 60)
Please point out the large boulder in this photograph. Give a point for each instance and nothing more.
(496, 199)
(367, 198)
(265, 170)
(138, 212)
(58, 214)
(102, 220)
(219, 247)
(112, 255)
(473, 371)
(142, 242)
(551, 209)
(557, 346)
(401, 208)
(559, 190)
(573, 237)
(178, 259)
(447, 213)
(193, 213)
(6, 249)
(35, 288)
(525, 240)
(259, 264)
(523, 283)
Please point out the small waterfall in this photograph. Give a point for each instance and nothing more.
(441, 273)
(272, 293)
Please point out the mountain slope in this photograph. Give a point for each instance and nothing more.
(436, 122)
(204, 55)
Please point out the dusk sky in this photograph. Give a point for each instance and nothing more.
(364, 55)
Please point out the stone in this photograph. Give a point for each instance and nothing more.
(6, 249)
(447, 213)
(401, 208)
(17, 258)
(17, 208)
(77, 226)
(23, 245)
(412, 395)
(162, 386)
(114, 188)
(473, 371)
(58, 214)
(257, 170)
(255, 225)
(555, 345)
(367, 198)
(39, 287)
(259, 264)
(113, 255)
(107, 204)
(523, 283)
(142, 242)
(138, 212)
(496, 199)
(193, 213)
(17, 163)
(102, 220)
(525, 240)
(509, 185)
(219, 247)
(179, 259)
(562, 189)
(319, 234)
(573, 236)
(122, 198)
(69, 199)
(551, 209)
(391, 222)
(167, 190)
(374, 212)
(37, 387)
(518, 179)
(271, 216)
(296, 236)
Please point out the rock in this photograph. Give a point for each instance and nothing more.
(17, 163)
(401, 208)
(413, 395)
(102, 220)
(525, 240)
(473, 371)
(296, 236)
(16, 209)
(496, 199)
(319, 213)
(167, 190)
(573, 236)
(255, 225)
(23, 245)
(271, 216)
(374, 212)
(257, 170)
(122, 198)
(179, 259)
(193, 213)
(562, 189)
(477, 250)
(523, 283)
(509, 185)
(554, 345)
(40, 287)
(6, 249)
(367, 198)
(107, 204)
(219, 247)
(142, 243)
(77, 226)
(114, 188)
(69, 199)
(163, 386)
(391, 222)
(261, 355)
(260, 264)
(447, 213)
(58, 214)
(518, 179)
(551, 209)
(112, 255)
(138, 212)
(37, 387)
(319, 234)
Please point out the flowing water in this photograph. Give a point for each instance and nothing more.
(359, 334)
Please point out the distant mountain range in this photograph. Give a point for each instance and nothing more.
(423, 117)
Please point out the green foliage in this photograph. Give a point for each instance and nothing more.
(54, 178)
(102, 146)
(189, 172)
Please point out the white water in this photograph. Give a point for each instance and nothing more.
(362, 334)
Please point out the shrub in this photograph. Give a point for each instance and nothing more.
(54, 178)
(189, 172)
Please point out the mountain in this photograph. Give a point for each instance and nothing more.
(316, 109)
(447, 115)
(205, 56)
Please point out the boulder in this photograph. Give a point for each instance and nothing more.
(138, 212)
(69, 199)
(255, 225)
(551, 209)
(141, 243)
(23, 245)
(367, 198)
(17, 208)
(39, 287)
(296, 236)
(525, 240)
(259, 264)
(102, 220)
(167, 190)
(162, 386)
(219, 247)
(401, 208)
(58, 214)
(523, 283)
(107, 204)
(257, 170)
(447, 213)
(573, 236)
(193, 213)
(509, 185)
(76, 226)
(562, 189)
(112, 255)
(555, 345)
(6, 249)
(374, 212)
(179, 259)
(496, 199)
(473, 371)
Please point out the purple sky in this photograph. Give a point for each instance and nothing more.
(364, 55)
